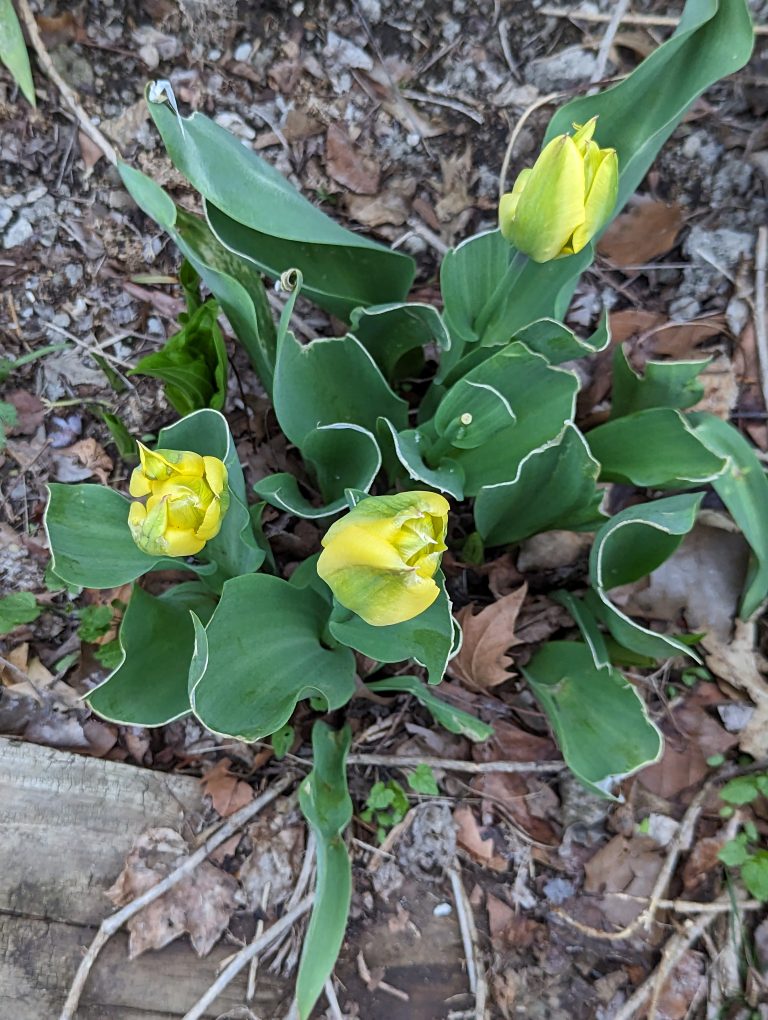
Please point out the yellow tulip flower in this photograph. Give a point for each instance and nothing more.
(187, 499)
(557, 206)
(380, 560)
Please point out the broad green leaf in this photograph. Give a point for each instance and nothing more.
(235, 284)
(599, 719)
(260, 654)
(393, 333)
(735, 852)
(558, 343)
(343, 456)
(587, 623)
(328, 382)
(90, 543)
(662, 384)
(325, 802)
(743, 488)
(443, 712)
(626, 548)
(423, 781)
(471, 413)
(13, 51)
(95, 621)
(741, 790)
(256, 213)
(554, 488)
(713, 39)
(192, 363)
(656, 448)
(409, 447)
(235, 549)
(149, 686)
(427, 638)
(541, 398)
(21, 607)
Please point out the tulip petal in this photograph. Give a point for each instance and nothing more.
(600, 200)
(551, 206)
(508, 204)
(181, 543)
(582, 135)
(139, 484)
(211, 522)
(215, 474)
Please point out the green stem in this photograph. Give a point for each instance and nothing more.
(510, 277)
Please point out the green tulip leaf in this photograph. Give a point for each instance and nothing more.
(13, 51)
(19, 608)
(235, 550)
(235, 284)
(192, 363)
(327, 382)
(409, 448)
(427, 638)
(743, 488)
(391, 333)
(91, 544)
(149, 687)
(256, 213)
(626, 548)
(712, 40)
(260, 654)
(662, 384)
(325, 803)
(599, 719)
(588, 624)
(343, 456)
(654, 448)
(553, 488)
(455, 720)
(558, 343)
(486, 409)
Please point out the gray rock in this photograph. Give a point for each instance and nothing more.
(561, 70)
(723, 248)
(18, 233)
(243, 51)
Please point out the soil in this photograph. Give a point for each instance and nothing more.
(394, 118)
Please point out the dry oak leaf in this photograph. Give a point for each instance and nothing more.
(649, 229)
(92, 456)
(347, 165)
(200, 904)
(738, 662)
(483, 661)
(228, 793)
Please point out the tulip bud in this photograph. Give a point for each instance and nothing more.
(380, 560)
(556, 207)
(188, 497)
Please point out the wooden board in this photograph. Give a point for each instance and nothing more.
(66, 825)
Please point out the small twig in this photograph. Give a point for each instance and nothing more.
(17, 675)
(475, 973)
(244, 957)
(691, 906)
(761, 325)
(399, 761)
(646, 20)
(67, 94)
(617, 16)
(681, 842)
(541, 101)
(115, 921)
(432, 239)
(673, 951)
(253, 970)
(372, 984)
(451, 104)
(333, 1002)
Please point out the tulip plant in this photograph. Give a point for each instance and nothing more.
(490, 421)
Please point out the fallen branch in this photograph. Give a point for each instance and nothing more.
(400, 761)
(477, 983)
(115, 921)
(67, 94)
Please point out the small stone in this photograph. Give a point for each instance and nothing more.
(234, 123)
(214, 55)
(243, 51)
(561, 70)
(735, 716)
(18, 233)
(36, 193)
(149, 56)
(661, 828)
(371, 9)
(737, 315)
(558, 890)
(346, 54)
(73, 272)
(442, 910)
(6, 214)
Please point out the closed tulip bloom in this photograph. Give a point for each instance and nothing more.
(380, 560)
(187, 499)
(557, 206)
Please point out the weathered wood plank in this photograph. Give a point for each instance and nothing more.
(67, 823)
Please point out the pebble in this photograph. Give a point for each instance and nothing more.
(234, 122)
(735, 716)
(564, 69)
(442, 910)
(18, 233)
(243, 51)
(346, 54)
(35, 193)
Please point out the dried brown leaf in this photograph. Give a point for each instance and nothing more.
(91, 455)
(623, 865)
(483, 661)
(649, 229)
(738, 661)
(228, 793)
(471, 839)
(347, 165)
(200, 904)
(269, 873)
